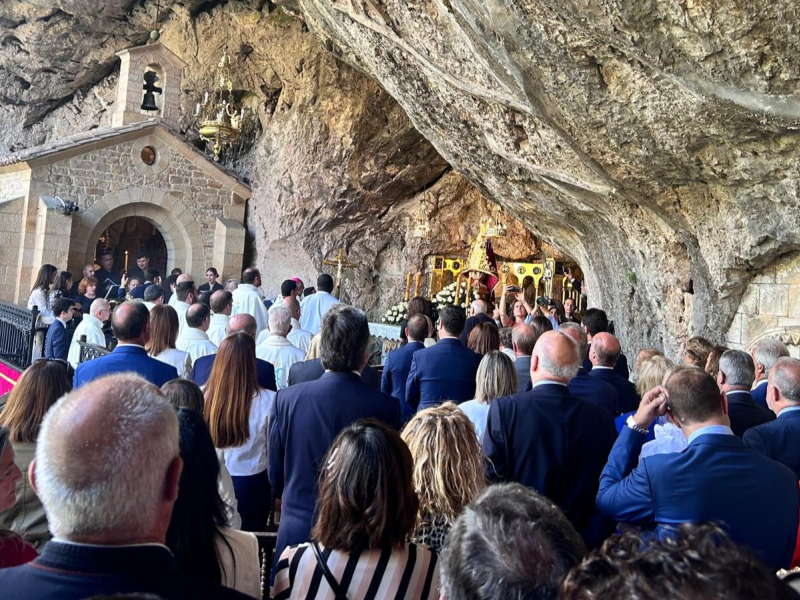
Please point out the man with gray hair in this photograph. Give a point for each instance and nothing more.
(90, 326)
(552, 441)
(107, 469)
(588, 389)
(735, 378)
(277, 349)
(778, 439)
(477, 315)
(765, 353)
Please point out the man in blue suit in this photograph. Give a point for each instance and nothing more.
(765, 353)
(477, 311)
(398, 362)
(245, 323)
(604, 354)
(552, 441)
(523, 339)
(717, 478)
(446, 370)
(56, 344)
(150, 277)
(131, 325)
(589, 389)
(306, 417)
(778, 439)
(310, 370)
(735, 378)
(595, 321)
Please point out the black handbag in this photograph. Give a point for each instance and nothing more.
(334, 585)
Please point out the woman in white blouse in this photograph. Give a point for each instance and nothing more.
(40, 298)
(236, 412)
(163, 333)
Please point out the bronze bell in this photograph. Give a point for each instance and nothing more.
(150, 91)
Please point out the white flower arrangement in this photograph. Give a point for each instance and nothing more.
(448, 295)
(395, 314)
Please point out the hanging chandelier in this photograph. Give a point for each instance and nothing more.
(422, 225)
(496, 228)
(219, 115)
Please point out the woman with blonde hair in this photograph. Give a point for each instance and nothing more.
(668, 437)
(236, 411)
(163, 333)
(449, 469)
(495, 378)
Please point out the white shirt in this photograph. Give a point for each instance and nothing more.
(181, 308)
(216, 331)
(314, 308)
(92, 328)
(178, 359)
(195, 343)
(477, 412)
(299, 337)
(149, 305)
(228, 495)
(247, 301)
(38, 298)
(173, 299)
(251, 457)
(279, 351)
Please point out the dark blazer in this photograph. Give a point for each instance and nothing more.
(445, 371)
(395, 373)
(552, 441)
(522, 365)
(304, 420)
(71, 572)
(716, 478)
(206, 288)
(101, 275)
(744, 413)
(138, 291)
(309, 370)
(135, 271)
(125, 359)
(472, 322)
(201, 370)
(778, 439)
(759, 394)
(627, 398)
(621, 368)
(56, 344)
(595, 391)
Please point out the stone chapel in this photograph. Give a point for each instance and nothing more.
(60, 200)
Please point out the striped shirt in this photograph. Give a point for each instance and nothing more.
(410, 572)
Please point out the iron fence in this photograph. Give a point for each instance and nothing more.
(17, 333)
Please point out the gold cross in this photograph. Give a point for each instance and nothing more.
(340, 262)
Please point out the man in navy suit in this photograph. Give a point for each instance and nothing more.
(246, 323)
(717, 478)
(765, 353)
(306, 417)
(131, 325)
(446, 370)
(595, 321)
(107, 471)
(552, 441)
(398, 362)
(477, 315)
(311, 370)
(604, 353)
(778, 439)
(589, 389)
(56, 344)
(523, 339)
(735, 378)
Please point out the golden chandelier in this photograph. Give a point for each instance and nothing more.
(220, 117)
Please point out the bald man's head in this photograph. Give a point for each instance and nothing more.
(292, 305)
(242, 323)
(554, 358)
(131, 323)
(605, 350)
(184, 277)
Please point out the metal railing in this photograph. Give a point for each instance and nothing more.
(90, 351)
(17, 333)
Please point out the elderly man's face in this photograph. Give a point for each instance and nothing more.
(88, 271)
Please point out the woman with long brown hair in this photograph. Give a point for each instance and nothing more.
(484, 338)
(163, 333)
(39, 387)
(236, 412)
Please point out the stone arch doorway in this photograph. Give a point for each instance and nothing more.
(129, 236)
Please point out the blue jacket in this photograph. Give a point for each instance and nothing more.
(309, 370)
(125, 359)
(552, 441)
(744, 413)
(201, 370)
(621, 368)
(56, 344)
(759, 394)
(138, 291)
(445, 371)
(716, 478)
(778, 439)
(594, 391)
(395, 373)
(304, 420)
(473, 322)
(73, 572)
(627, 398)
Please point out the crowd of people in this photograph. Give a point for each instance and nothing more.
(495, 455)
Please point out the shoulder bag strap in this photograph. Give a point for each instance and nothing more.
(334, 585)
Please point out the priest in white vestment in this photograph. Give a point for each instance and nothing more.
(221, 307)
(246, 299)
(193, 339)
(92, 327)
(314, 307)
(278, 350)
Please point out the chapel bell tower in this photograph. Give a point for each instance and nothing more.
(149, 77)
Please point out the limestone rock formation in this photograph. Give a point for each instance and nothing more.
(654, 141)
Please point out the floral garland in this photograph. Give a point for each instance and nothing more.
(395, 314)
